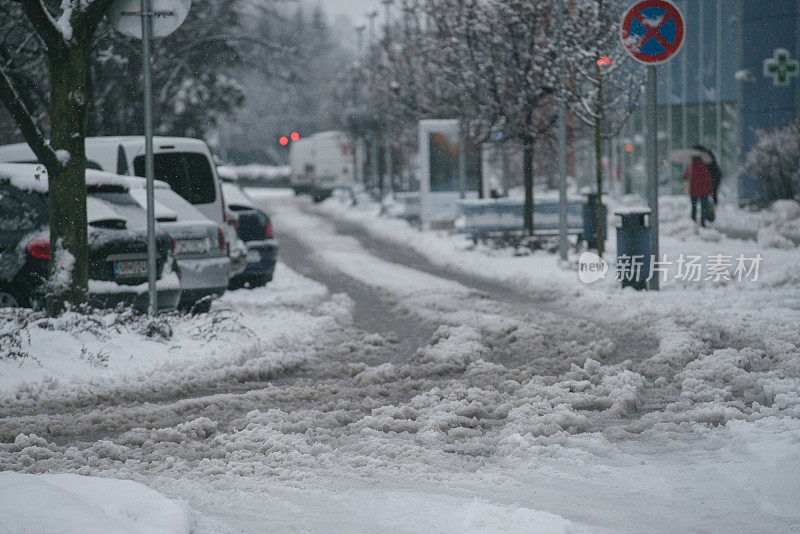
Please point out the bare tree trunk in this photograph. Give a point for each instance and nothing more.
(479, 168)
(69, 263)
(598, 160)
(527, 178)
(67, 43)
(598, 156)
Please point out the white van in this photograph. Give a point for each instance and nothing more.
(185, 164)
(321, 163)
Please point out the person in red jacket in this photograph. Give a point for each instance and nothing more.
(701, 186)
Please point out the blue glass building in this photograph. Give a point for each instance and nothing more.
(717, 91)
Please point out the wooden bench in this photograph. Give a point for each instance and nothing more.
(502, 216)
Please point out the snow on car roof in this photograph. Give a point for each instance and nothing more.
(234, 196)
(33, 177)
(98, 210)
(226, 173)
(161, 211)
(27, 177)
(134, 182)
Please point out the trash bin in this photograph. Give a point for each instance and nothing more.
(633, 247)
(590, 233)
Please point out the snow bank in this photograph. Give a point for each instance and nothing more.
(690, 324)
(769, 237)
(110, 352)
(72, 504)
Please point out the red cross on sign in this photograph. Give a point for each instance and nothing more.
(653, 31)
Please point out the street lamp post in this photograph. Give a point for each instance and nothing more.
(387, 4)
(387, 147)
(373, 138)
(371, 17)
(360, 39)
(562, 152)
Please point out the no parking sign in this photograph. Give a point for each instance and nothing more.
(652, 31)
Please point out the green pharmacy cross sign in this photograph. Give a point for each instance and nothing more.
(781, 68)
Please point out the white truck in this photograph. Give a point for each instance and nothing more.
(322, 163)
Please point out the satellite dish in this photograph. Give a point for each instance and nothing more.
(167, 16)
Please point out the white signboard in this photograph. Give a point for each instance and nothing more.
(440, 153)
(167, 16)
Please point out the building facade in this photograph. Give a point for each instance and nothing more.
(737, 73)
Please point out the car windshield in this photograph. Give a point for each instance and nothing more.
(21, 211)
(188, 173)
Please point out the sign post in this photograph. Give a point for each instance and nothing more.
(152, 23)
(562, 148)
(653, 32)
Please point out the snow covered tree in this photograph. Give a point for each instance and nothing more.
(518, 61)
(602, 83)
(287, 80)
(486, 63)
(775, 161)
(67, 39)
(460, 52)
(194, 79)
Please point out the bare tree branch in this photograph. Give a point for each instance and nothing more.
(95, 12)
(30, 130)
(44, 23)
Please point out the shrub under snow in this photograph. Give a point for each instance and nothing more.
(775, 161)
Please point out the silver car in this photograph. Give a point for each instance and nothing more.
(199, 244)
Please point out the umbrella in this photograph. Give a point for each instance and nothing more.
(686, 155)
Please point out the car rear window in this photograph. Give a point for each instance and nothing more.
(235, 198)
(125, 206)
(187, 173)
(21, 211)
(171, 201)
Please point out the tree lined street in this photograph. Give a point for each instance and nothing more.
(432, 270)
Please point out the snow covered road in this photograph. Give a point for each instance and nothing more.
(375, 391)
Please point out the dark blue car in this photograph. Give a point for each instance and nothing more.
(255, 229)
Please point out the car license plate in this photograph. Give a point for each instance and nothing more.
(253, 256)
(191, 246)
(124, 269)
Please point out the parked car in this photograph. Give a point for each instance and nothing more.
(255, 229)
(185, 164)
(117, 253)
(199, 245)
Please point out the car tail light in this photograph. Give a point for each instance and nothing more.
(268, 230)
(221, 239)
(40, 248)
(174, 245)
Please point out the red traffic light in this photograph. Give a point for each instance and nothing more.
(295, 136)
(283, 141)
(603, 61)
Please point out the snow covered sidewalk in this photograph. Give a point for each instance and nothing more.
(109, 352)
(72, 504)
(291, 413)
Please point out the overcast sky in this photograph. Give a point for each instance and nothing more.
(355, 9)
